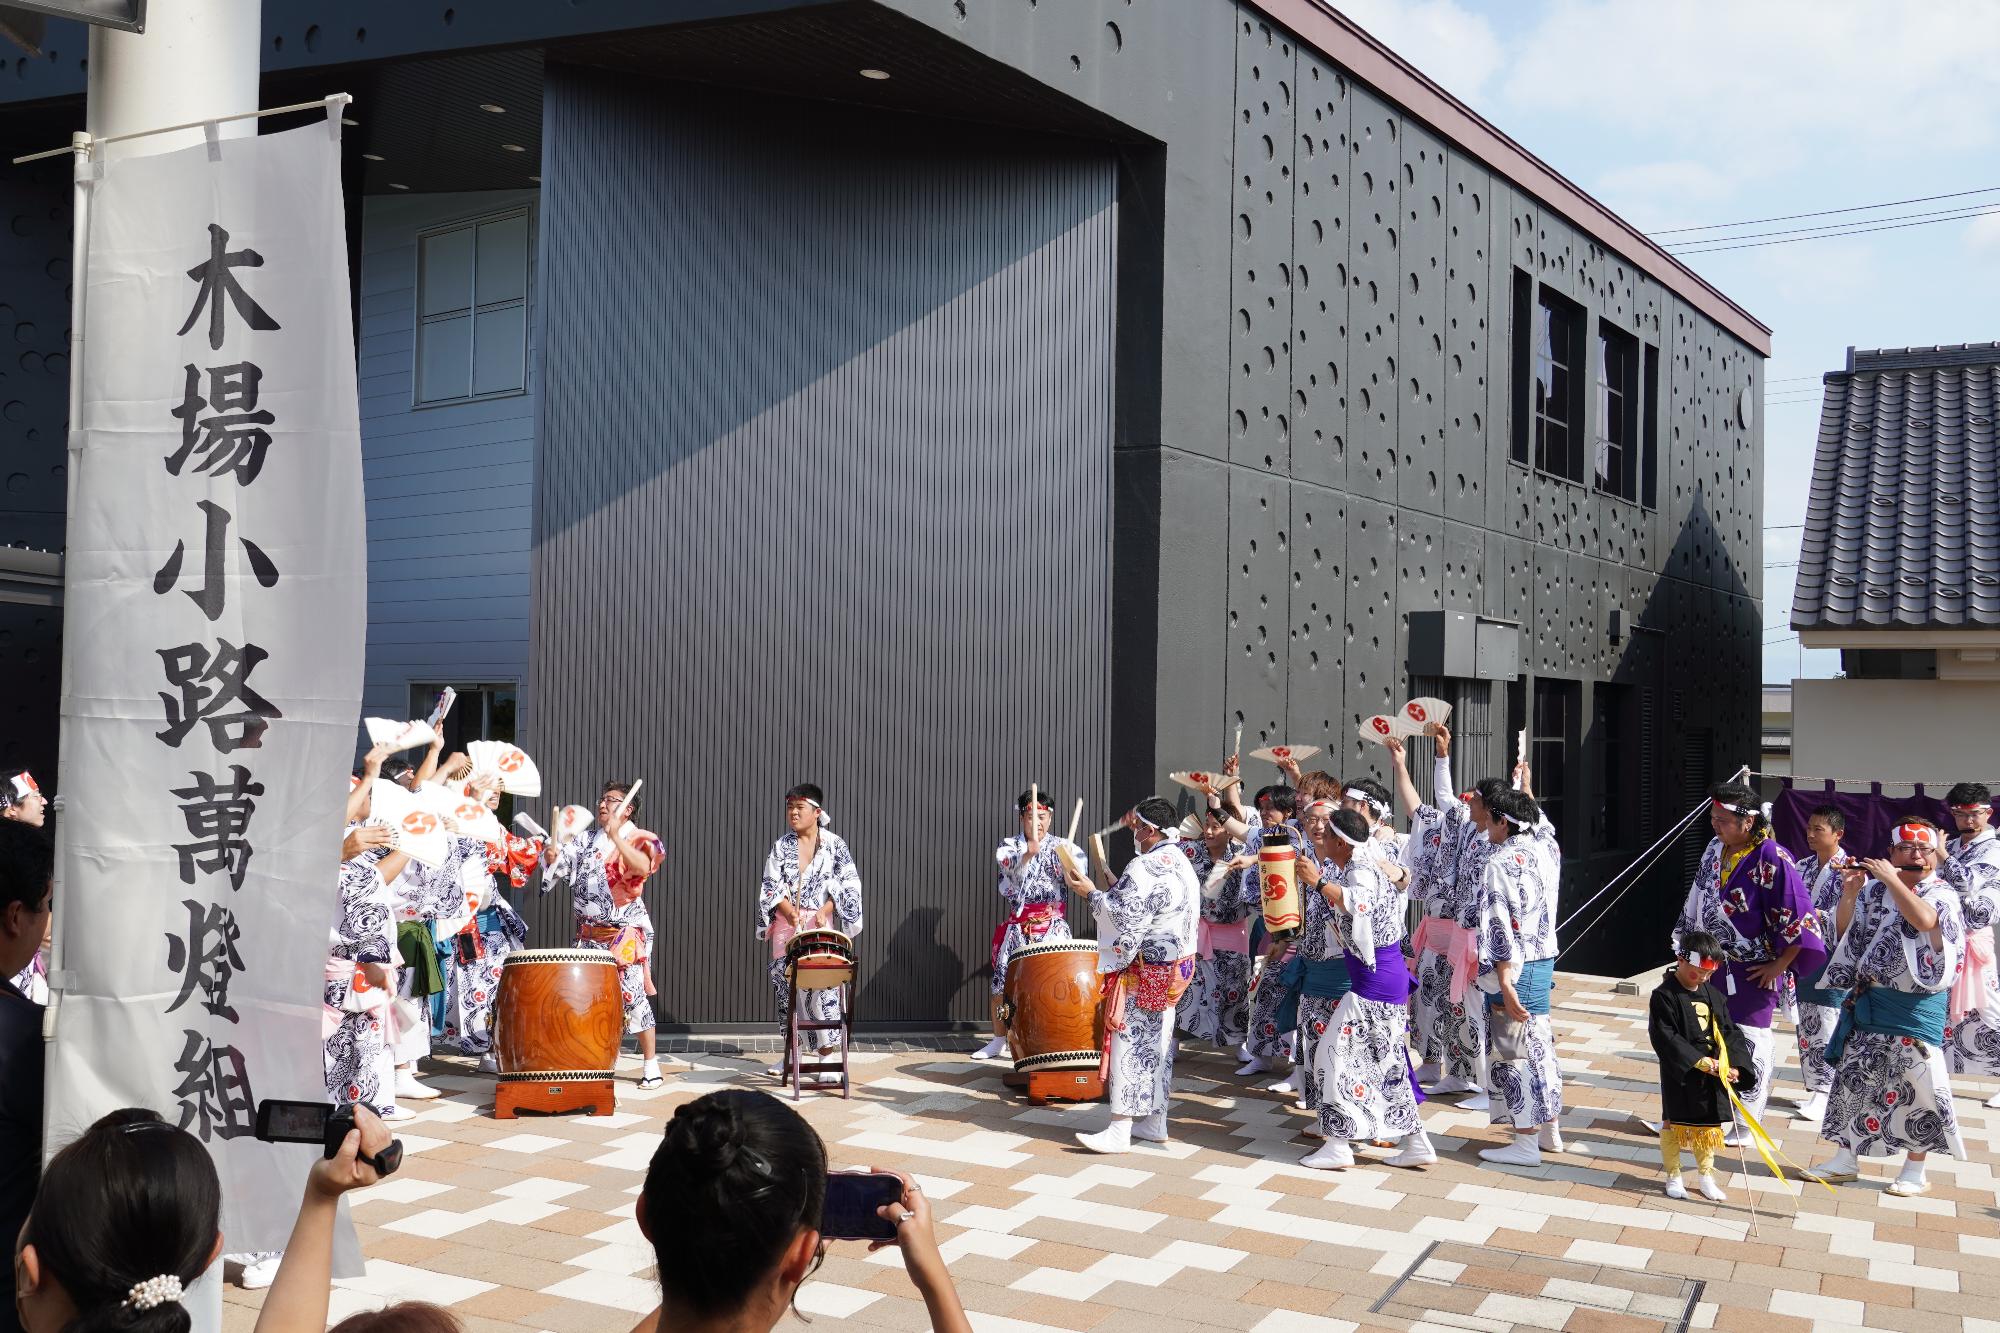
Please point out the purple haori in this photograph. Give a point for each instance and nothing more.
(1766, 899)
(1387, 981)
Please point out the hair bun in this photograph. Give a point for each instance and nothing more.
(709, 1135)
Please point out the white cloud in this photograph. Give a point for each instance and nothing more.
(1982, 234)
(1751, 84)
(1450, 44)
(1658, 195)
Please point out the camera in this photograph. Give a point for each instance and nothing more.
(317, 1122)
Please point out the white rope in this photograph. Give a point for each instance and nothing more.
(1799, 781)
(1643, 862)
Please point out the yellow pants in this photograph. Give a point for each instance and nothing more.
(1701, 1140)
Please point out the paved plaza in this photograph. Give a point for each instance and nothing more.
(528, 1223)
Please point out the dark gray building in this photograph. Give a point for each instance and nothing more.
(920, 398)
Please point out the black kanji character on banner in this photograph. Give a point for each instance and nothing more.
(217, 282)
(214, 1090)
(213, 590)
(219, 816)
(209, 683)
(207, 958)
(233, 441)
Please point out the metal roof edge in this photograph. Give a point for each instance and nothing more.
(1338, 37)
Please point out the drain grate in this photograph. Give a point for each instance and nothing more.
(1473, 1287)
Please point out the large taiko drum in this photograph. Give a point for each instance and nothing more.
(820, 959)
(556, 1029)
(1055, 1018)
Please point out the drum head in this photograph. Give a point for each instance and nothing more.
(526, 957)
(1053, 946)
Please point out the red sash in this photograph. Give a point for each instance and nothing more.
(1034, 921)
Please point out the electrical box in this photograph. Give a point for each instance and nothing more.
(1462, 645)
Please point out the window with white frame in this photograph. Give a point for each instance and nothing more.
(472, 310)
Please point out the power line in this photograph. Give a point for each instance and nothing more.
(1823, 213)
(1855, 231)
(1946, 214)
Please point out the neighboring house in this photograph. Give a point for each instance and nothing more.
(1900, 570)
(1777, 750)
(924, 399)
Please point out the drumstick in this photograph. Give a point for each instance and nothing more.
(1237, 749)
(1034, 803)
(1075, 818)
(624, 804)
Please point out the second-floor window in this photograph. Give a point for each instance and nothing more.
(472, 311)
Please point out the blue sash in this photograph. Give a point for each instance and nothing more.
(1810, 991)
(1327, 979)
(1891, 1012)
(1531, 986)
(1291, 977)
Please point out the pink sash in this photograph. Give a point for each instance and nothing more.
(779, 934)
(1968, 988)
(1211, 937)
(1458, 945)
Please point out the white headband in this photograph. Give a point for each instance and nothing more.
(1344, 838)
(1170, 834)
(1356, 794)
(1520, 823)
(823, 820)
(20, 787)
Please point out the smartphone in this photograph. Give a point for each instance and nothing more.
(304, 1122)
(851, 1200)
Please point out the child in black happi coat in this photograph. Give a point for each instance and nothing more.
(1692, 1034)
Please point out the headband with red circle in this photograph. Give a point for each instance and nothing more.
(1922, 835)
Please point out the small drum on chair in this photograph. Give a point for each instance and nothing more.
(556, 1027)
(820, 959)
(1054, 1013)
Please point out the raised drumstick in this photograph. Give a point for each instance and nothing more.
(622, 805)
(1075, 818)
(1237, 748)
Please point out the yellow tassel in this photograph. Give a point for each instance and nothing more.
(1760, 1138)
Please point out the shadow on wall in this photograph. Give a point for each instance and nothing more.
(1699, 653)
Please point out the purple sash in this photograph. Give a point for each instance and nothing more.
(1387, 982)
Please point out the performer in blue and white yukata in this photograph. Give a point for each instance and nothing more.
(1216, 1007)
(1317, 973)
(1972, 868)
(1749, 894)
(1517, 953)
(1272, 1003)
(809, 883)
(1146, 927)
(1819, 1008)
(1901, 940)
(1363, 1085)
(1031, 884)
(606, 868)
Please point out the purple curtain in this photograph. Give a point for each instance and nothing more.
(1870, 815)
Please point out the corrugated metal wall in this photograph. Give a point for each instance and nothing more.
(823, 494)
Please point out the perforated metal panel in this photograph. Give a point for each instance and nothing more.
(1320, 292)
(1261, 251)
(1374, 264)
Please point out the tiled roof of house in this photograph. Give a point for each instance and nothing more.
(1903, 521)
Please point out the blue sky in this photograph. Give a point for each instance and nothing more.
(1680, 113)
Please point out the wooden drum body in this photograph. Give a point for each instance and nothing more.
(557, 1023)
(1055, 1020)
(1278, 880)
(820, 959)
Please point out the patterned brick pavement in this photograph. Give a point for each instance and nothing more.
(528, 1223)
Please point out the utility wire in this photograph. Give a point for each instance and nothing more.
(1962, 210)
(1856, 231)
(1824, 213)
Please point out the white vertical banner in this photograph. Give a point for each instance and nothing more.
(215, 618)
